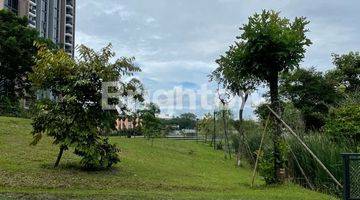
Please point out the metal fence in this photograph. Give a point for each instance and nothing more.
(351, 176)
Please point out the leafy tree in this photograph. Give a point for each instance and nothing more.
(239, 82)
(17, 54)
(311, 93)
(271, 45)
(347, 71)
(205, 126)
(184, 121)
(187, 121)
(75, 119)
(150, 124)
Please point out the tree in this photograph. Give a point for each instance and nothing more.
(75, 119)
(311, 93)
(17, 54)
(239, 82)
(186, 121)
(205, 126)
(347, 71)
(150, 124)
(271, 45)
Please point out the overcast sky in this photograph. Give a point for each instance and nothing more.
(176, 41)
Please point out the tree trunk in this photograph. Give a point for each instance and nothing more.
(241, 130)
(276, 129)
(226, 133)
(61, 151)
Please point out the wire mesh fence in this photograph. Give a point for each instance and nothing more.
(351, 176)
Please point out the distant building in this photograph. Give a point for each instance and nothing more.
(54, 19)
(125, 124)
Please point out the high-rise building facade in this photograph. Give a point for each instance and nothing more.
(54, 19)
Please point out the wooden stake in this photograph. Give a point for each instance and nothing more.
(307, 148)
(260, 147)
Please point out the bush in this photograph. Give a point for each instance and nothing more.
(100, 156)
(7, 108)
(343, 124)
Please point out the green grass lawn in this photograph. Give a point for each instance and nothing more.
(167, 170)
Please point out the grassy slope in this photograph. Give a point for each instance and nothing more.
(169, 169)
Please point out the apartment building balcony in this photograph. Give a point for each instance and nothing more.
(69, 25)
(69, 6)
(68, 45)
(68, 34)
(69, 15)
(32, 14)
(32, 3)
(32, 25)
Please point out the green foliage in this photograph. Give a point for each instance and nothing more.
(321, 144)
(98, 154)
(343, 124)
(184, 121)
(250, 141)
(17, 54)
(271, 44)
(347, 71)
(266, 168)
(150, 124)
(293, 117)
(206, 126)
(75, 118)
(239, 82)
(9, 107)
(328, 152)
(311, 93)
(266, 160)
(228, 74)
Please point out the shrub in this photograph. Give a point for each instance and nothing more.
(343, 124)
(102, 155)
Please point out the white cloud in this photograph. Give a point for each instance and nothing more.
(178, 41)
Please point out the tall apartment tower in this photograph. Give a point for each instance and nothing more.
(54, 19)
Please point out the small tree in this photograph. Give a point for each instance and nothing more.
(271, 45)
(150, 124)
(311, 93)
(238, 82)
(205, 126)
(75, 117)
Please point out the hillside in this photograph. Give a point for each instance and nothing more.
(167, 170)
